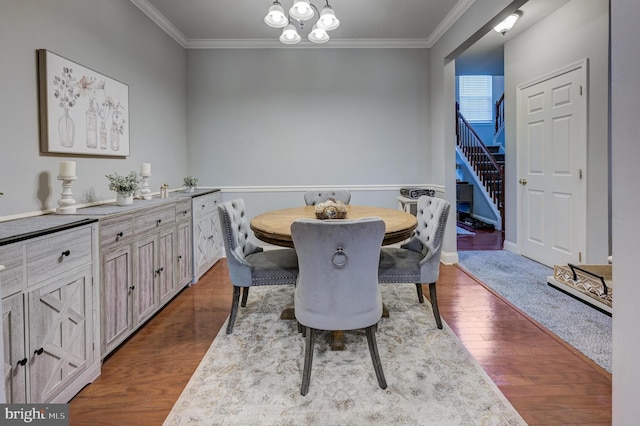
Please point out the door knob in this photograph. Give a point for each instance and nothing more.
(522, 181)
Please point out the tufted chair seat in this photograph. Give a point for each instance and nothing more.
(312, 198)
(418, 261)
(249, 265)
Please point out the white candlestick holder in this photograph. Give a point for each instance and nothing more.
(66, 202)
(145, 192)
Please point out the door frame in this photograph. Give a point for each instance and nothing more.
(581, 65)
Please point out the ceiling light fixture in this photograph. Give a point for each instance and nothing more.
(300, 12)
(508, 22)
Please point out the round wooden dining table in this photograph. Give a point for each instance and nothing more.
(274, 227)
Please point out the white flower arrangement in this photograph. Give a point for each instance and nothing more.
(125, 185)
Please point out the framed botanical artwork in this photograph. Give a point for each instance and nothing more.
(82, 112)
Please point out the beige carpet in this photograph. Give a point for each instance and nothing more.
(252, 377)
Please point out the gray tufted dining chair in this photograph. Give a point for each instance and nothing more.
(337, 286)
(418, 261)
(249, 265)
(311, 198)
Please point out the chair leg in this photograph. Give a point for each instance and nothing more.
(434, 304)
(375, 357)
(308, 360)
(245, 294)
(419, 290)
(234, 308)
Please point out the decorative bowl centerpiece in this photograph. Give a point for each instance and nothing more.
(331, 209)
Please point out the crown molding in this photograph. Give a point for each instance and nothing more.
(453, 15)
(161, 20)
(305, 44)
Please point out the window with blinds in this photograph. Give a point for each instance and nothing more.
(476, 100)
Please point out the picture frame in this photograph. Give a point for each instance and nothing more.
(82, 112)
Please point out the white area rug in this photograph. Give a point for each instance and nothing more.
(253, 376)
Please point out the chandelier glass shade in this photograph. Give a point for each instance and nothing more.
(300, 12)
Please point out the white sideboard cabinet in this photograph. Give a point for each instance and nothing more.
(50, 299)
(139, 258)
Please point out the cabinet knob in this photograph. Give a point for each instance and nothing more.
(119, 235)
(133, 287)
(204, 205)
(158, 222)
(66, 253)
(210, 237)
(159, 270)
(180, 257)
(38, 351)
(22, 362)
(184, 213)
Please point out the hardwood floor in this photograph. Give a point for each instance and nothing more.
(545, 380)
(484, 239)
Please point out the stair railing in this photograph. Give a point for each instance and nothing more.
(489, 172)
(499, 119)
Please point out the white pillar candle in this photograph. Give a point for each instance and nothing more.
(67, 168)
(145, 168)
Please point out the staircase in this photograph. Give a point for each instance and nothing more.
(486, 161)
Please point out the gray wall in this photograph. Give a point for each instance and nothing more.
(577, 30)
(116, 39)
(625, 92)
(272, 117)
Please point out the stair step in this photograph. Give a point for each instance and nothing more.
(498, 157)
(493, 148)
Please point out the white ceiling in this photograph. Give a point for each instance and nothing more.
(364, 23)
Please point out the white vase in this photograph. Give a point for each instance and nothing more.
(124, 199)
(190, 189)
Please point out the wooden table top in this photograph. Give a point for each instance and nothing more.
(275, 227)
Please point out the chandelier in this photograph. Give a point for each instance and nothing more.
(300, 12)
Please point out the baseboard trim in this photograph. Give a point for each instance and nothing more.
(449, 257)
(510, 246)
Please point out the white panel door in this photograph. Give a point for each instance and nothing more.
(552, 143)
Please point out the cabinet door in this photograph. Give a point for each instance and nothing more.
(184, 268)
(207, 243)
(60, 323)
(15, 355)
(117, 299)
(165, 271)
(145, 291)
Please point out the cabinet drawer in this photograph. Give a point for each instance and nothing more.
(12, 278)
(183, 210)
(154, 219)
(206, 204)
(116, 231)
(54, 255)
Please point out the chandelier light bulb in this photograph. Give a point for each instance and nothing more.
(318, 35)
(290, 35)
(328, 20)
(276, 17)
(301, 10)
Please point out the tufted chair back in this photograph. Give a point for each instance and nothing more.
(432, 214)
(337, 285)
(311, 198)
(418, 260)
(249, 265)
(235, 231)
